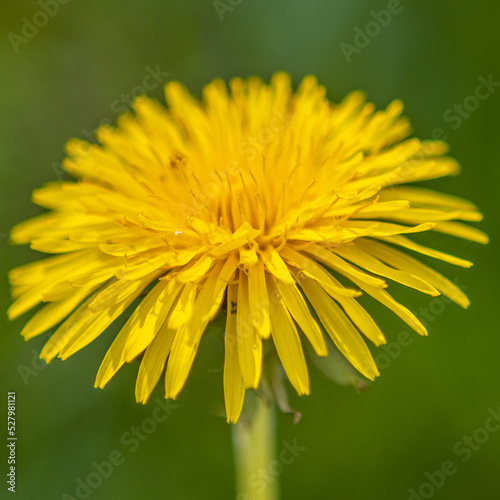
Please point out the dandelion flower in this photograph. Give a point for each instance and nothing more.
(278, 208)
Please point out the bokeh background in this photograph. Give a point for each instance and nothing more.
(79, 69)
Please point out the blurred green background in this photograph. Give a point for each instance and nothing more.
(78, 70)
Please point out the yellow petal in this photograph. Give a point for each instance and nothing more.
(339, 265)
(196, 271)
(243, 235)
(49, 245)
(206, 304)
(411, 245)
(370, 263)
(51, 314)
(258, 299)
(312, 270)
(184, 307)
(156, 260)
(34, 272)
(403, 261)
(249, 341)
(248, 256)
(419, 215)
(295, 303)
(153, 362)
(462, 231)
(340, 329)
(388, 229)
(275, 265)
(51, 274)
(361, 318)
(422, 196)
(234, 387)
(386, 299)
(92, 279)
(179, 363)
(287, 342)
(209, 299)
(113, 293)
(142, 244)
(83, 326)
(139, 330)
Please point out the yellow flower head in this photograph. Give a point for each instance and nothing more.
(260, 199)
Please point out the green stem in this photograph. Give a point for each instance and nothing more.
(254, 444)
